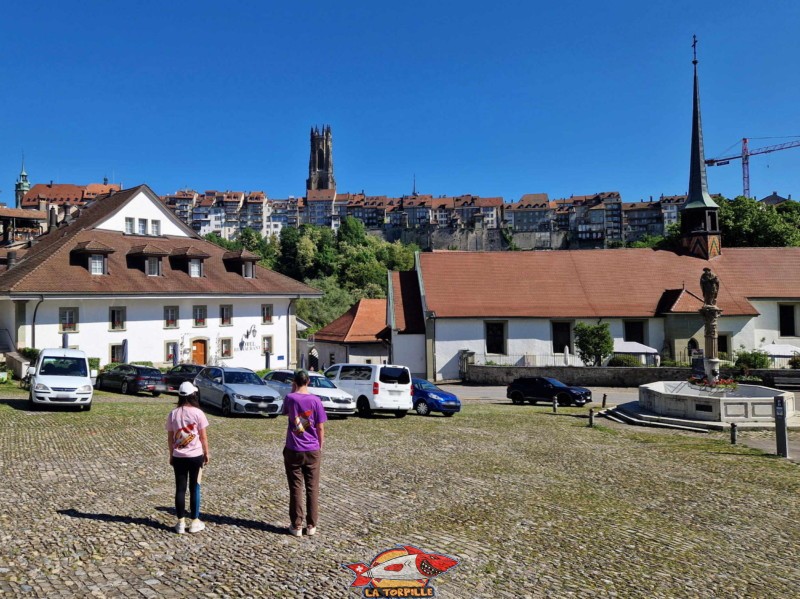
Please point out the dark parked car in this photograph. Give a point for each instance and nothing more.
(181, 374)
(429, 398)
(540, 388)
(131, 378)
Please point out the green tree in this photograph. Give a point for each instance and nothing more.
(648, 241)
(352, 231)
(745, 222)
(287, 263)
(335, 302)
(593, 342)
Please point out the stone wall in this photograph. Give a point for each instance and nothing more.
(590, 376)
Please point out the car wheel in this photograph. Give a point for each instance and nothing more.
(400, 413)
(422, 408)
(156, 393)
(363, 407)
(226, 406)
(563, 399)
(123, 388)
(32, 405)
(517, 398)
(86, 408)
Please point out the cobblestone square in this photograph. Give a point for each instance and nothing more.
(532, 504)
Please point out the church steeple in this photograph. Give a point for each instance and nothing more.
(22, 186)
(700, 214)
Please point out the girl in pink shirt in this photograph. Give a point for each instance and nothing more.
(188, 453)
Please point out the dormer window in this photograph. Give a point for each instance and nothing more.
(190, 260)
(153, 266)
(241, 261)
(147, 257)
(97, 264)
(91, 255)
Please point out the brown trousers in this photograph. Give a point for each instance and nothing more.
(302, 467)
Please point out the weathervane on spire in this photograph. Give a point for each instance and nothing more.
(694, 49)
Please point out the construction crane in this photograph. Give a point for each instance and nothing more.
(745, 158)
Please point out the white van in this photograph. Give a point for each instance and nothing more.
(376, 387)
(61, 377)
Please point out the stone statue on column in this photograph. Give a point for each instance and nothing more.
(709, 283)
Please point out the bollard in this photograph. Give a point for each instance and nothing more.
(781, 435)
(555, 406)
(605, 396)
(734, 426)
(591, 417)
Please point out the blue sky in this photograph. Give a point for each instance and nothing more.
(501, 98)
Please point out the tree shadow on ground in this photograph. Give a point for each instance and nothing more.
(233, 521)
(72, 513)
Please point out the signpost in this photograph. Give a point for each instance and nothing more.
(781, 434)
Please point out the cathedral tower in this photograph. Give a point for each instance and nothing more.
(700, 215)
(320, 163)
(22, 186)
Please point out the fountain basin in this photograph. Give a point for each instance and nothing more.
(746, 403)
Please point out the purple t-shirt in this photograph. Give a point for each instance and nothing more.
(305, 412)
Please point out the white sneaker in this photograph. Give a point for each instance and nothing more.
(197, 526)
(311, 531)
(295, 532)
(180, 527)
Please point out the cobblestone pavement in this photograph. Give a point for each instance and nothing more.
(532, 504)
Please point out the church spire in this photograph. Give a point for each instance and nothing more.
(22, 186)
(698, 184)
(700, 214)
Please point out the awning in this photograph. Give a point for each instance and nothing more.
(632, 347)
(780, 350)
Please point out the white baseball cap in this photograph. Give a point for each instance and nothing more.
(187, 389)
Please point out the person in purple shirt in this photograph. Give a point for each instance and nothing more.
(305, 437)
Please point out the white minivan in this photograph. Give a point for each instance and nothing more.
(61, 377)
(376, 387)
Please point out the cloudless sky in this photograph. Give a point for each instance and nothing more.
(489, 98)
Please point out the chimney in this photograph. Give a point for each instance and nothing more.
(51, 183)
(105, 180)
(52, 221)
(11, 259)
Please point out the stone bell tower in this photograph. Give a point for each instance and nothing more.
(700, 215)
(320, 163)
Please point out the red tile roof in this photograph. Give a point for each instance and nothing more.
(599, 283)
(57, 193)
(20, 213)
(46, 266)
(407, 307)
(365, 322)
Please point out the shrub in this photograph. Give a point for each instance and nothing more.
(94, 363)
(593, 342)
(263, 372)
(110, 366)
(143, 363)
(794, 361)
(30, 353)
(748, 378)
(748, 360)
(625, 360)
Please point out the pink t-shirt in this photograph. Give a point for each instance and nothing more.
(185, 424)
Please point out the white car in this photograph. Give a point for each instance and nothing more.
(61, 377)
(376, 387)
(237, 391)
(334, 400)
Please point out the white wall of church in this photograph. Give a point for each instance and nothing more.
(147, 335)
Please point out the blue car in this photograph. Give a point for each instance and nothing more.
(429, 398)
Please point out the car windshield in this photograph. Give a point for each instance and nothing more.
(555, 382)
(393, 374)
(243, 378)
(427, 386)
(320, 382)
(63, 366)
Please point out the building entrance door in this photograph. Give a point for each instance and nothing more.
(199, 351)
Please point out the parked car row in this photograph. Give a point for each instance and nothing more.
(345, 389)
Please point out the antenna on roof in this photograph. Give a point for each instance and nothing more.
(414, 190)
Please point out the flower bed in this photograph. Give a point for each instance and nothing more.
(711, 386)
